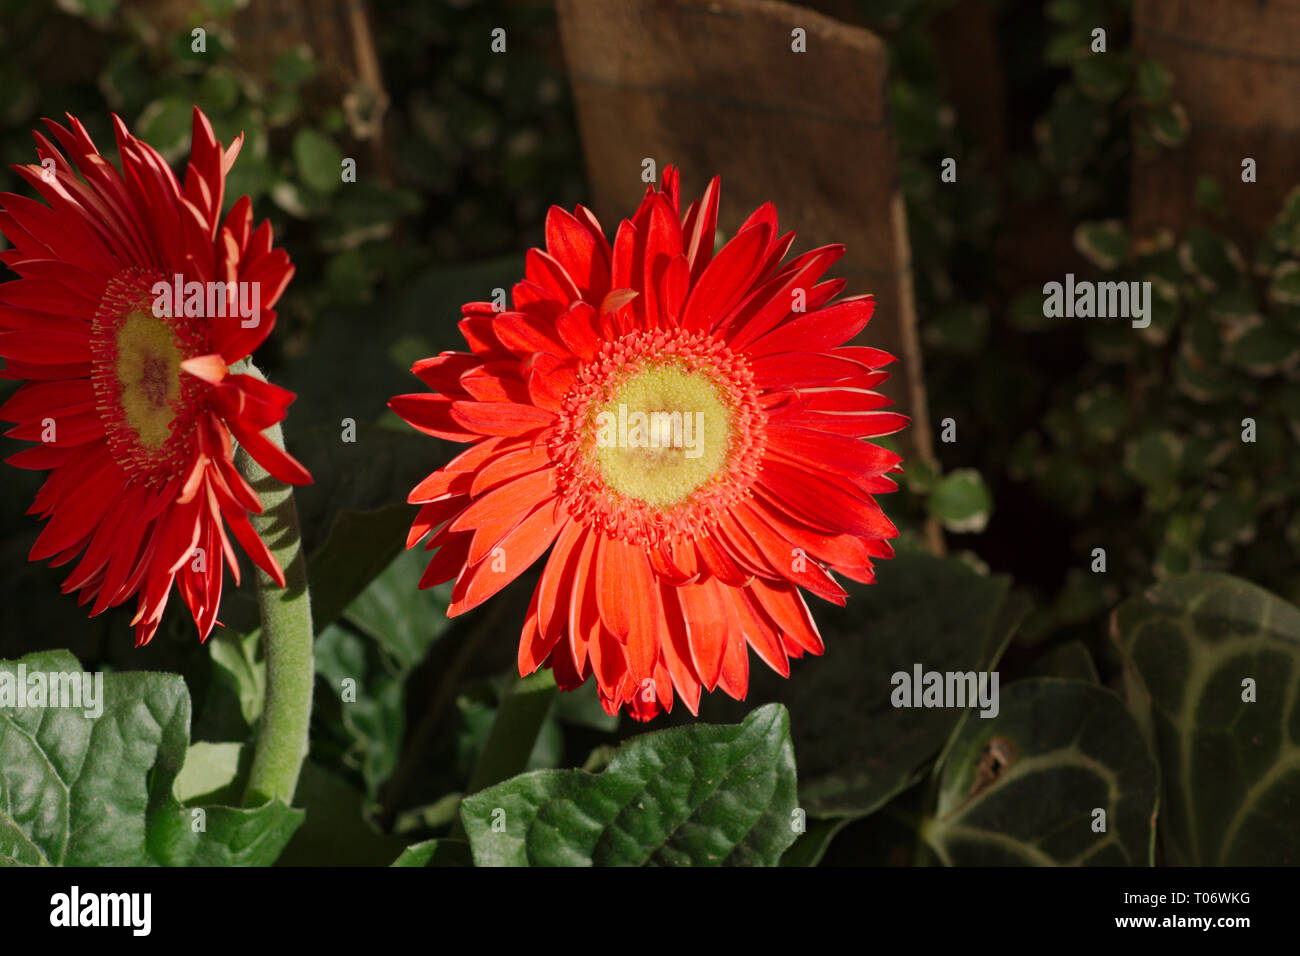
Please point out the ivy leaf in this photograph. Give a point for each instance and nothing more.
(1285, 288)
(1230, 766)
(702, 795)
(1104, 243)
(319, 160)
(1024, 787)
(1154, 82)
(1169, 124)
(1102, 77)
(1153, 458)
(86, 789)
(961, 502)
(166, 124)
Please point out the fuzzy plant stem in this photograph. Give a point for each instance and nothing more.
(286, 635)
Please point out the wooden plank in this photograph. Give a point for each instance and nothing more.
(1236, 69)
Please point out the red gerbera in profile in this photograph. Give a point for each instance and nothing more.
(683, 427)
(130, 399)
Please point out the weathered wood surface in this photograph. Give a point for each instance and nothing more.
(714, 87)
(1236, 69)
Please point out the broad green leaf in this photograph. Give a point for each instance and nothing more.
(337, 830)
(701, 795)
(1069, 660)
(1029, 785)
(856, 750)
(211, 771)
(81, 788)
(1195, 648)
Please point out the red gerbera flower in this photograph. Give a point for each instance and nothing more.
(683, 427)
(135, 407)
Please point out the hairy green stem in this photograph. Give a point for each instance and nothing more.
(286, 636)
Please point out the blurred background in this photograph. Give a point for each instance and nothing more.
(1067, 434)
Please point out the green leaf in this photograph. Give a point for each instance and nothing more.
(1069, 660)
(166, 125)
(702, 795)
(1230, 768)
(1285, 288)
(403, 618)
(856, 750)
(337, 830)
(1154, 83)
(1262, 348)
(812, 844)
(211, 771)
(1153, 458)
(1168, 124)
(239, 666)
(1102, 412)
(515, 729)
(294, 66)
(1208, 193)
(394, 623)
(1102, 76)
(1105, 243)
(1024, 787)
(436, 853)
(961, 502)
(1214, 262)
(353, 516)
(319, 160)
(86, 789)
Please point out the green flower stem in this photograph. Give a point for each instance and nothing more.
(286, 635)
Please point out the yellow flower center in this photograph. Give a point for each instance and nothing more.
(665, 432)
(148, 368)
